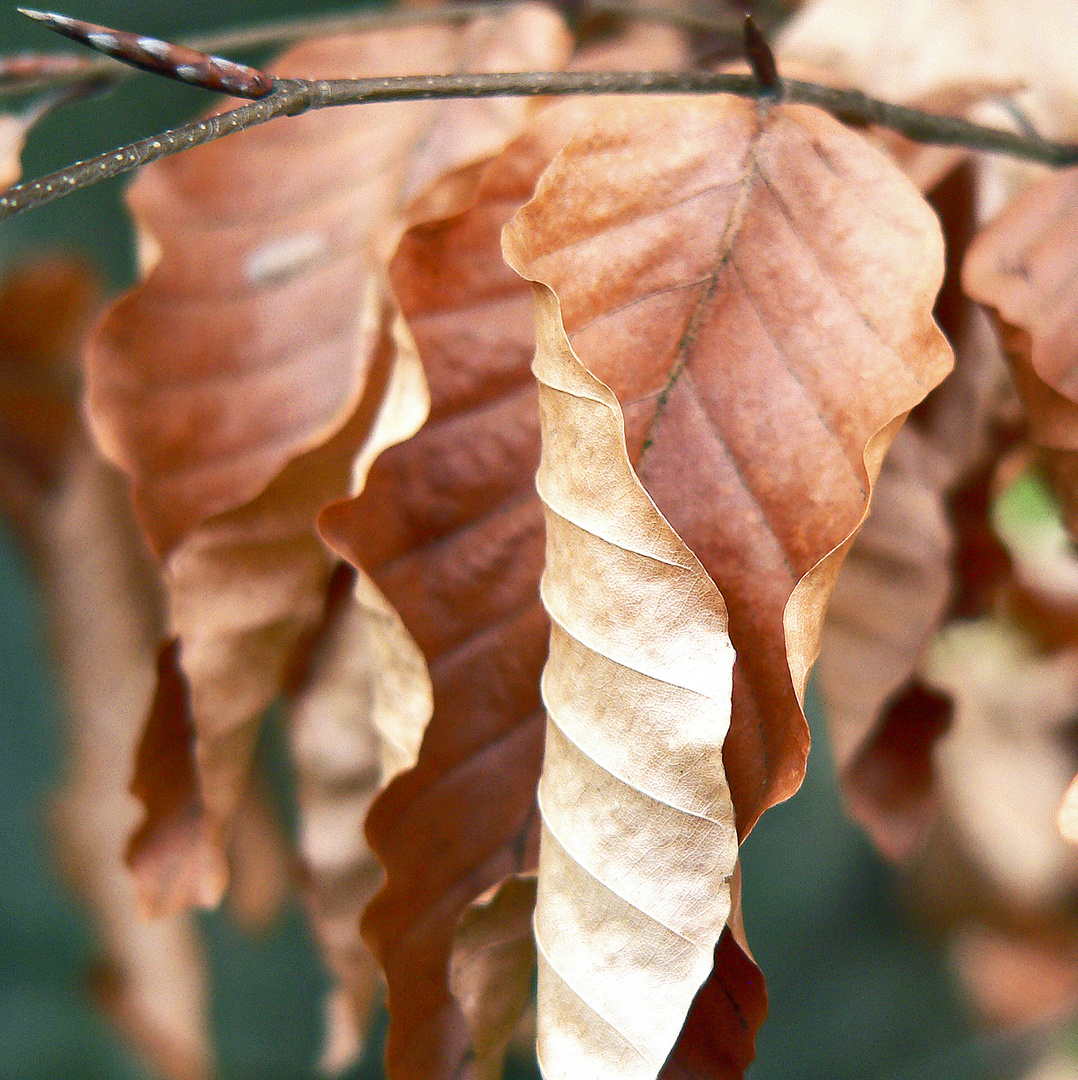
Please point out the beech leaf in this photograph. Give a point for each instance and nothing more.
(491, 968)
(1021, 267)
(692, 245)
(638, 843)
(815, 228)
(239, 382)
(888, 601)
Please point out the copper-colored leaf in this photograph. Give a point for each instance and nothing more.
(491, 969)
(1022, 267)
(239, 382)
(701, 241)
(889, 599)
(44, 308)
(674, 288)
(450, 531)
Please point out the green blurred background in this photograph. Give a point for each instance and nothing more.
(856, 992)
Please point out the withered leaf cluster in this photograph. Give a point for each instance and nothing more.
(515, 448)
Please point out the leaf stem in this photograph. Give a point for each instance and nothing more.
(293, 96)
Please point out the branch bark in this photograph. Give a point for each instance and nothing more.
(291, 97)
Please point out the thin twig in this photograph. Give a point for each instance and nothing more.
(284, 31)
(293, 96)
(279, 33)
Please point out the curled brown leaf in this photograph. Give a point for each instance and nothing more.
(239, 382)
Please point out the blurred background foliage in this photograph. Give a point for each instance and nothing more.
(856, 990)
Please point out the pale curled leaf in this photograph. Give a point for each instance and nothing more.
(491, 968)
(638, 841)
(238, 384)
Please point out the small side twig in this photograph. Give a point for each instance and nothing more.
(762, 60)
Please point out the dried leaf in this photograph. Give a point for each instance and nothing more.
(638, 843)
(701, 239)
(1004, 766)
(791, 181)
(12, 139)
(260, 862)
(903, 49)
(105, 616)
(491, 968)
(44, 308)
(887, 604)
(1021, 266)
(450, 531)
(337, 759)
(1013, 981)
(239, 382)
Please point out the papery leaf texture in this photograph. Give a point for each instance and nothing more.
(755, 286)
(337, 757)
(239, 381)
(638, 844)
(449, 530)
(491, 968)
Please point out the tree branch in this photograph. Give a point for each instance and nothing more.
(291, 97)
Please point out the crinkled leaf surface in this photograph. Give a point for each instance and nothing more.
(638, 842)
(450, 531)
(756, 289)
(787, 426)
(239, 382)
